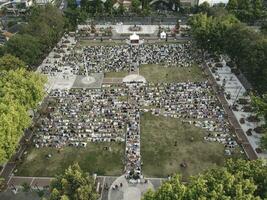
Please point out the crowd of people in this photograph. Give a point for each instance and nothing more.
(74, 117)
(77, 116)
(79, 61)
(126, 57)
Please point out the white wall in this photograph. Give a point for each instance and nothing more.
(212, 2)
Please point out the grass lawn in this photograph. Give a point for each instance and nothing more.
(160, 155)
(99, 43)
(92, 159)
(160, 74)
(120, 74)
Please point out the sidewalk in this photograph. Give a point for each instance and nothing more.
(241, 137)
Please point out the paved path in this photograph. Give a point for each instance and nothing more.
(241, 137)
(127, 191)
(34, 182)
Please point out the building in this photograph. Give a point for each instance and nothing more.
(188, 3)
(134, 38)
(213, 2)
(43, 2)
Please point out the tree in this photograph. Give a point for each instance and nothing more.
(239, 179)
(260, 107)
(204, 7)
(73, 184)
(9, 62)
(20, 91)
(136, 5)
(264, 28)
(232, 5)
(46, 23)
(109, 6)
(25, 47)
(246, 10)
(121, 9)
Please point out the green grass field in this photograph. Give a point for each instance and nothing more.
(99, 43)
(122, 42)
(166, 143)
(160, 74)
(120, 74)
(93, 159)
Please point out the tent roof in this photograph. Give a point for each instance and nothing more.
(134, 36)
(163, 33)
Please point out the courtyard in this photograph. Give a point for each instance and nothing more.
(169, 121)
(167, 144)
(160, 73)
(100, 158)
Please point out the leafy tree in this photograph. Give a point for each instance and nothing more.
(121, 9)
(9, 62)
(263, 141)
(204, 7)
(260, 107)
(264, 28)
(73, 184)
(246, 10)
(232, 5)
(239, 179)
(109, 6)
(20, 91)
(135, 7)
(47, 24)
(247, 48)
(25, 47)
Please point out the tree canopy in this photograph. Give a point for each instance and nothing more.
(45, 27)
(9, 62)
(239, 179)
(20, 91)
(246, 47)
(73, 184)
(260, 107)
(247, 10)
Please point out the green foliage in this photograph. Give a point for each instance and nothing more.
(204, 7)
(20, 91)
(44, 28)
(264, 28)
(263, 141)
(246, 10)
(210, 32)
(25, 47)
(46, 23)
(25, 187)
(93, 8)
(74, 15)
(260, 107)
(247, 48)
(239, 179)
(136, 6)
(73, 184)
(9, 62)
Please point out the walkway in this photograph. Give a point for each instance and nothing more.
(241, 137)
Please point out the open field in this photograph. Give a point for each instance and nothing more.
(120, 74)
(94, 159)
(160, 74)
(99, 43)
(123, 42)
(167, 142)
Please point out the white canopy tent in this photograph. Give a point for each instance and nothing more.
(134, 38)
(163, 35)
